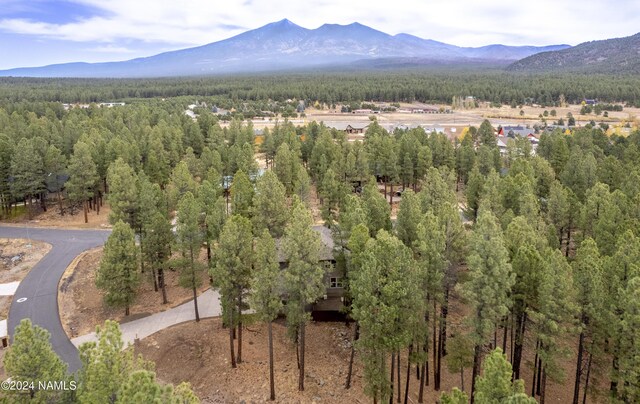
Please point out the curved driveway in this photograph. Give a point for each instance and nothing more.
(37, 296)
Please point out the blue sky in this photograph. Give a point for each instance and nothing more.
(40, 32)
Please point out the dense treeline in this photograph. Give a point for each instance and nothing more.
(545, 252)
(335, 87)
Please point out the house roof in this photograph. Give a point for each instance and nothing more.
(513, 131)
(326, 246)
(55, 182)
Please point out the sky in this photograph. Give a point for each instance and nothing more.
(41, 32)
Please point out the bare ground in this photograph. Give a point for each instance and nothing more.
(53, 218)
(199, 353)
(82, 306)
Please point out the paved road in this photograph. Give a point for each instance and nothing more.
(40, 286)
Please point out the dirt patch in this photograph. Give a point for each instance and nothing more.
(17, 257)
(53, 218)
(81, 303)
(199, 353)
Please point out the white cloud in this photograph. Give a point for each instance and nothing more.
(110, 49)
(461, 22)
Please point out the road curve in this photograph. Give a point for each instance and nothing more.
(37, 296)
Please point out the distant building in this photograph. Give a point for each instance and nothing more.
(513, 131)
(349, 128)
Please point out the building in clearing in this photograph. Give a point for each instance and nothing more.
(332, 301)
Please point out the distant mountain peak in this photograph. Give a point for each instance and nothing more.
(285, 45)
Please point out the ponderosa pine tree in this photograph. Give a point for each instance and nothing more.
(189, 240)
(232, 274)
(303, 186)
(408, 218)
(496, 384)
(27, 172)
(286, 167)
(558, 206)
(150, 200)
(465, 158)
(179, 184)
(428, 249)
(208, 195)
(242, 195)
(454, 397)
(6, 153)
(621, 268)
(490, 281)
(377, 209)
(524, 245)
(270, 209)
(588, 277)
(83, 176)
(552, 318)
(331, 194)
(386, 294)
(123, 194)
(55, 166)
(473, 191)
(303, 277)
(486, 134)
(158, 240)
(118, 272)
(629, 362)
(106, 365)
(30, 360)
(460, 355)
(265, 291)
(141, 387)
(356, 245)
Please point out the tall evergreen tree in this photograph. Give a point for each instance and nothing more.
(232, 274)
(83, 176)
(189, 240)
(490, 280)
(157, 252)
(265, 297)
(118, 273)
(31, 360)
(105, 365)
(385, 297)
(587, 272)
(55, 166)
(242, 195)
(496, 386)
(552, 317)
(270, 209)
(27, 172)
(304, 277)
(629, 375)
(377, 210)
(123, 194)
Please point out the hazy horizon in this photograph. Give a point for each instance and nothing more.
(44, 32)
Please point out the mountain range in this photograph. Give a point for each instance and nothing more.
(284, 45)
(618, 55)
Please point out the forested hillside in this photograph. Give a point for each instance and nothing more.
(611, 56)
(541, 250)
